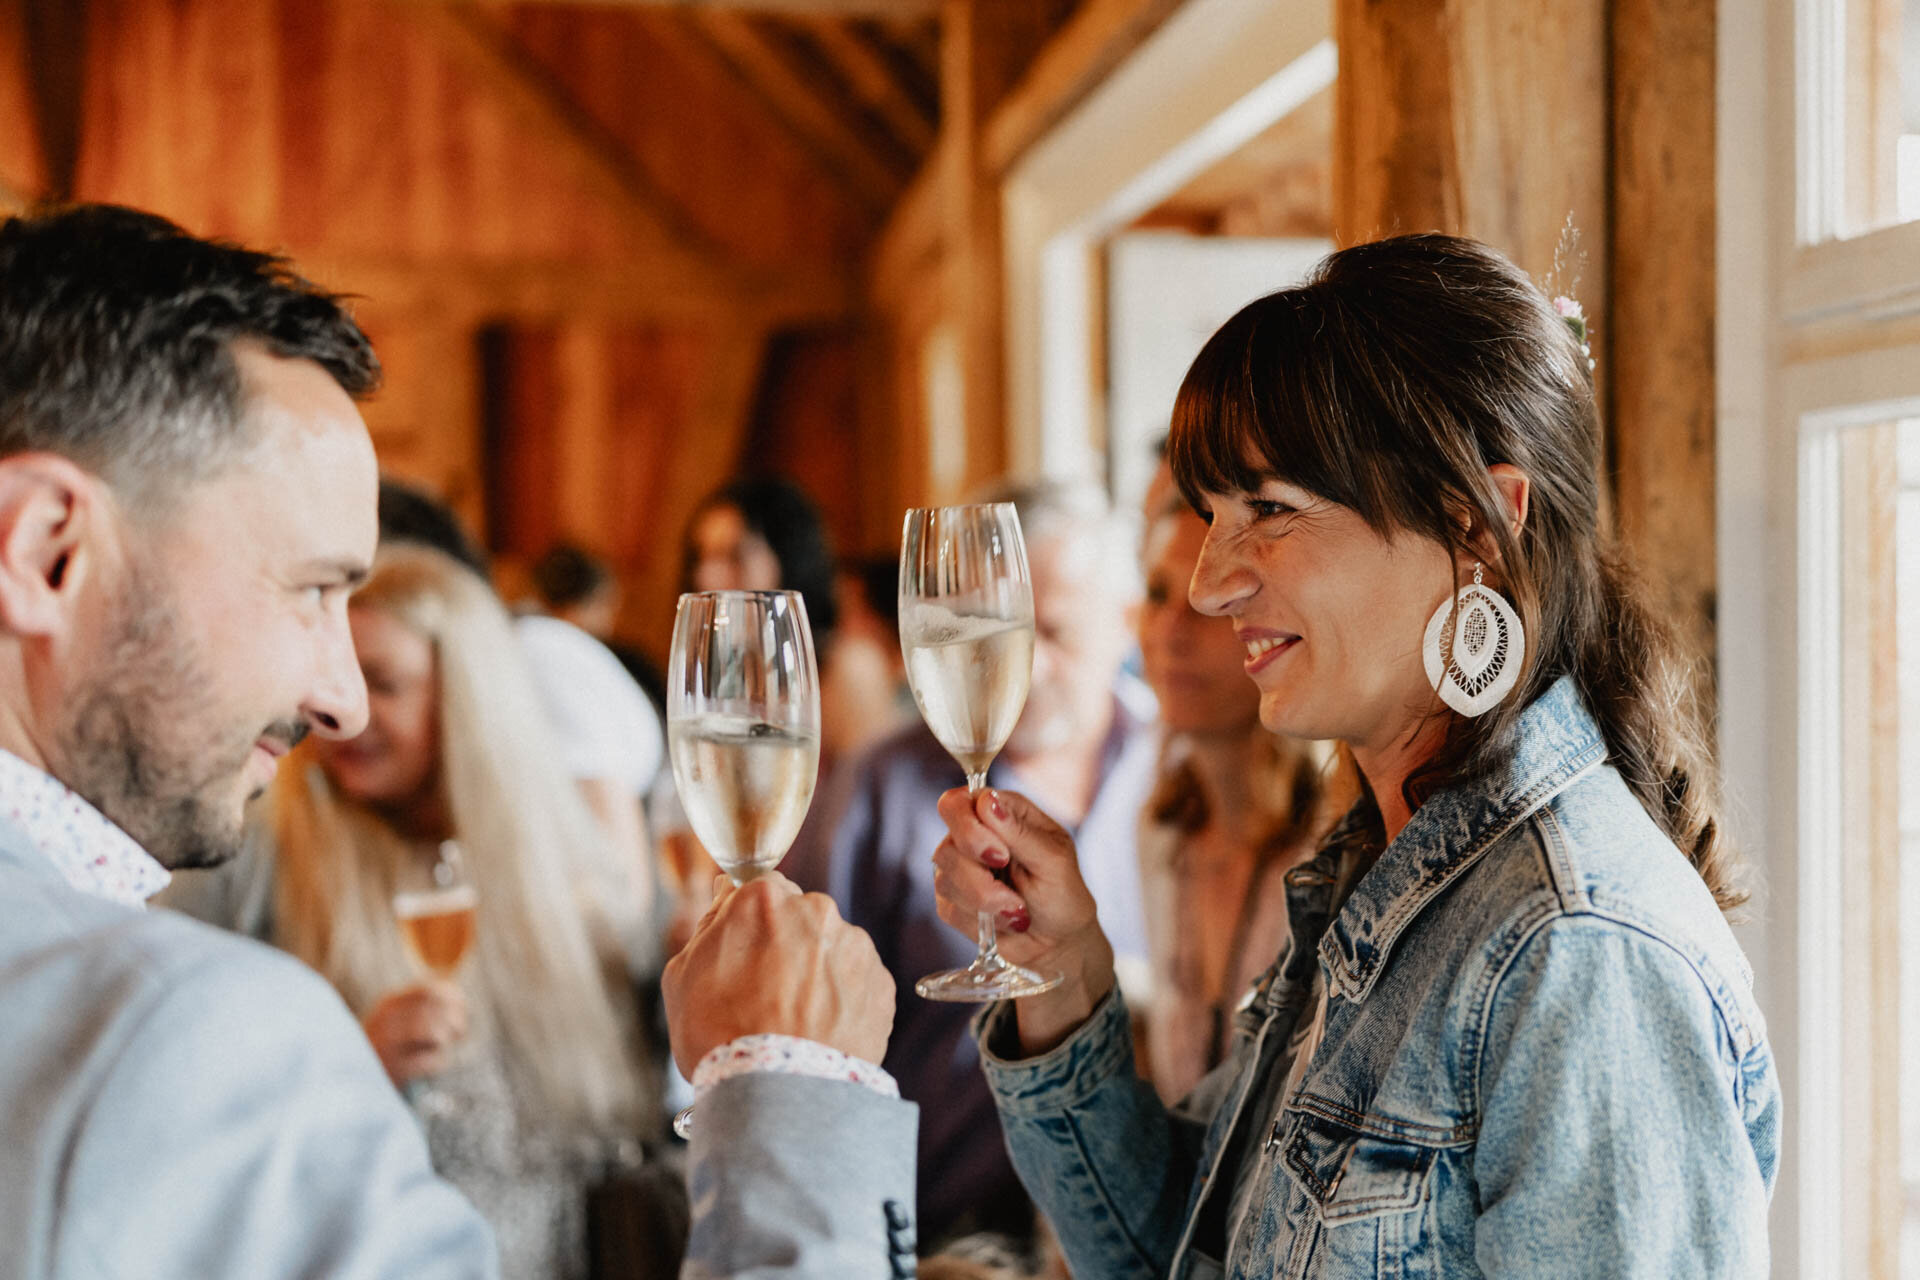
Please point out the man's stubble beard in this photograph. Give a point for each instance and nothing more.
(137, 744)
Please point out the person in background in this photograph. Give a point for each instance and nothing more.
(1084, 743)
(1233, 810)
(867, 696)
(576, 586)
(610, 734)
(527, 1053)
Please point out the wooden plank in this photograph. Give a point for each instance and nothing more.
(1394, 154)
(706, 454)
(867, 73)
(892, 10)
(525, 290)
(56, 49)
(1098, 38)
(593, 156)
(846, 148)
(1662, 297)
(909, 246)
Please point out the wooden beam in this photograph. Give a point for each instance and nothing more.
(478, 291)
(910, 244)
(846, 149)
(874, 82)
(1662, 297)
(596, 158)
(1098, 38)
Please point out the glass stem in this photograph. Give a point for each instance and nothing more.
(984, 927)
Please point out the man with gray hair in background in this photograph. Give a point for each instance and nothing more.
(1084, 750)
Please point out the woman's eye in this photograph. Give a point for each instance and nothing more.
(1265, 509)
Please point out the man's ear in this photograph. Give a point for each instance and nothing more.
(53, 524)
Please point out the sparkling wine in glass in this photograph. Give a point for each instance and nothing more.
(966, 629)
(436, 908)
(743, 727)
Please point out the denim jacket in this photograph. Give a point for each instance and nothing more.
(1541, 1057)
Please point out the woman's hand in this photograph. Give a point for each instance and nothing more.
(1046, 917)
(413, 1029)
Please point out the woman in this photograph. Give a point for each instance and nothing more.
(1511, 1032)
(1233, 809)
(526, 1055)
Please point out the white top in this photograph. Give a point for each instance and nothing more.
(606, 725)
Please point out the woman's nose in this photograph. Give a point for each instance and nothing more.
(1220, 583)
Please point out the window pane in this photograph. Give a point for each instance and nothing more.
(1876, 54)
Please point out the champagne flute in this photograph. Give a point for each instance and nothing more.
(743, 728)
(966, 628)
(436, 908)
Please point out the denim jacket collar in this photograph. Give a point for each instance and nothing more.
(1558, 742)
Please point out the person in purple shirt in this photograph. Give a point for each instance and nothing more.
(1086, 749)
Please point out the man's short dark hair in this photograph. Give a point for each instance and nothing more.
(116, 342)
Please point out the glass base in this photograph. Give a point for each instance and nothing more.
(985, 981)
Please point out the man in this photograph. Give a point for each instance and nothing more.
(1084, 750)
(186, 500)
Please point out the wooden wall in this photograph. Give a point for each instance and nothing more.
(573, 236)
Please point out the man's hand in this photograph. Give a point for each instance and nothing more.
(767, 959)
(413, 1029)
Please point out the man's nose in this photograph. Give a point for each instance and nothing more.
(336, 705)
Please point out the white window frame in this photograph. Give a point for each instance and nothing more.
(1815, 335)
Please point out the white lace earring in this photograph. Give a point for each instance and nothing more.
(1480, 666)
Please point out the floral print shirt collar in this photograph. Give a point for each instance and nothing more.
(93, 854)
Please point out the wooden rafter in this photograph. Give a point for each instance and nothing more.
(1095, 40)
(600, 161)
(847, 148)
(867, 73)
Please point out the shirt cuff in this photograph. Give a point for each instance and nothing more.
(788, 1055)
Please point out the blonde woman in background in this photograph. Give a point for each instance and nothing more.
(530, 1049)
(1235, 807)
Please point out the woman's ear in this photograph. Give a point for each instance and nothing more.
(50, 531)
(1516, 491)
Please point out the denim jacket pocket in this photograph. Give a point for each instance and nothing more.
(1359, 1200)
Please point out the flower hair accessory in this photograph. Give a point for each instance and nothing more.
(1575, 317)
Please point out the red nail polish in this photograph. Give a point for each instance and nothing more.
(995, 858)
(1020, 922)
(993, 803)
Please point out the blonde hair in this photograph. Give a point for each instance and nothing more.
(546, 957)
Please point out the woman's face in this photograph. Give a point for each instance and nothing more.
(1194, 663)
(728, 556)
(1329, 614)
(397, 759)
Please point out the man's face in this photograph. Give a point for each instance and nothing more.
(226, 640)
(1081, 633)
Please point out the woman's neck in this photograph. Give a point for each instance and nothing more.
(1388, 764)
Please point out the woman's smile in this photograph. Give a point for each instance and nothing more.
(1264, 648)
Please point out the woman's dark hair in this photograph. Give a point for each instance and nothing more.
(567, 574)
(781, 514)
(1389, 382)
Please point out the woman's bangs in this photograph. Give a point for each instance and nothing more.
(1245, 414)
